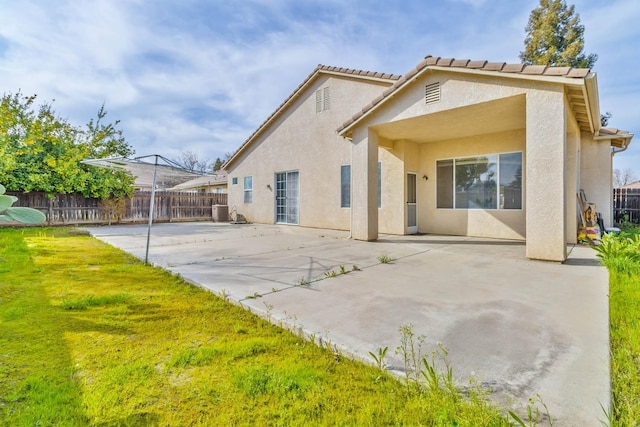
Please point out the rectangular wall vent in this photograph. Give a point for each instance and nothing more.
(432, 93)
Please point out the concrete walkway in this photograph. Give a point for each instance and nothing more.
(521, 327)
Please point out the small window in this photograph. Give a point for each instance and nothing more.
(345, 186)
(248, 189)
(219, 190)
(234, 180)
(323, 99)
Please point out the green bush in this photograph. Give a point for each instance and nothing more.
(620, 252)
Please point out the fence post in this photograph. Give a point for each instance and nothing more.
(50, 211)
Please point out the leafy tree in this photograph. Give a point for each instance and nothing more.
(39, 151)
(555, 37)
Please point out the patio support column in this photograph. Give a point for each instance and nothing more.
(364, 185)
(545, 176)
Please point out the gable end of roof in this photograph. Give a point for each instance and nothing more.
(476, 65)
(348, 72)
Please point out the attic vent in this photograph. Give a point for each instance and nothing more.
(432, 93)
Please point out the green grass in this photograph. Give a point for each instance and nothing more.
(91, 336)
(621, 255)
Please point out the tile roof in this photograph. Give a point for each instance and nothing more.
(478, 65)
(201, 181)
(619, 138)
(632, 185)
(350, 72)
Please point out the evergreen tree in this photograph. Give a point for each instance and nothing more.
(555, 37)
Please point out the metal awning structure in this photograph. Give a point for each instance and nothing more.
(148, 174)
(168, 173)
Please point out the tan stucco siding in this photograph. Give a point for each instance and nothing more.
(305, 141)
(495, 223)
(455, 92)
(572, 176)
(545, 184)
(596, 175)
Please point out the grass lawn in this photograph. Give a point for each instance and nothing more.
(622, 257)
(90, 336)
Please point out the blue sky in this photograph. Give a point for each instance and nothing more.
(202, 75)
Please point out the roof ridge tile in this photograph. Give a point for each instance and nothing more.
(480, 65)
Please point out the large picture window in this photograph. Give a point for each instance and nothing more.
(482, 182)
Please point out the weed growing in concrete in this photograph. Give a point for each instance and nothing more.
(330, 273)
(254, 296)
(385, 259)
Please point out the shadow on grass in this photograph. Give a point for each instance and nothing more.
(36, 368)
(139, 419)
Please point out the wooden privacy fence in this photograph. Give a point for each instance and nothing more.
(626, 205)
(72, 209)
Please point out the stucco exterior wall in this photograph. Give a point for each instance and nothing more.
(391, 215)
(596, 175)
(572, 177)
(493, 115)
(505, 223)
(305, 141)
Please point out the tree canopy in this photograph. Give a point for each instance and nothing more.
(555, 37)
(190, 160)
(39, 151)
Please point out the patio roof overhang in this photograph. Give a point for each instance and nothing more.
(501, 115)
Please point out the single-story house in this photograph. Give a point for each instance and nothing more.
(204, 184)
(459, 147)
(632, 185)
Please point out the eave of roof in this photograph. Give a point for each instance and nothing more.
(320, 69)
(529, 72)
(619, 138)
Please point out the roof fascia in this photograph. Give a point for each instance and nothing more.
(347, 131)
(294, 96)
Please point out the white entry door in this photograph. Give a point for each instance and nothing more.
(287, 198)
(412, 206)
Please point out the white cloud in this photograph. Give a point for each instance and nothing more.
(202, 75)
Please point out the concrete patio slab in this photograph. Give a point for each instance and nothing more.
(521, 327)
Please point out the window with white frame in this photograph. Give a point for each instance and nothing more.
(234, 180)
(491, 181)
(248, 189)
(323, 99)
(345, 186)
